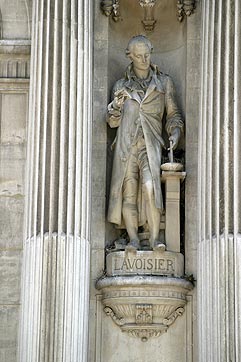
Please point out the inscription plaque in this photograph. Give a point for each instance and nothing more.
(145, 262)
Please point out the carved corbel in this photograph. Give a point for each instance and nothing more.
(148, 21)
(144, 326)
(111, 7)
(185, 7)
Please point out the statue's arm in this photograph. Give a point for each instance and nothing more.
(174, 118)
(115, 106)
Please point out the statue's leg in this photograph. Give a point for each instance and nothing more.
(129, 207)
(153, 214)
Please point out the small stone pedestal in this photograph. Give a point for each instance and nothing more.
(172, 181)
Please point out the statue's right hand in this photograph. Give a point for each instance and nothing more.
(118, 101)
(120, 97)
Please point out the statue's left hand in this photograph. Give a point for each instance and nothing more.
(175, 136)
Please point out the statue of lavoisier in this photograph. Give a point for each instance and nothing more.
(140, 99)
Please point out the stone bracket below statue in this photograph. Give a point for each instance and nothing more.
(144, 306)
(143, 291)
(165, 263)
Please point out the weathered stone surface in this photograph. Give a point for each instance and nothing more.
(16, 19)
(11, 222)
(98, 219)
(14, 110)
(172, 345)
(9, 320)
(12, 167)
(10, 276)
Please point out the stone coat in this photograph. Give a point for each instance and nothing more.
(142, 108)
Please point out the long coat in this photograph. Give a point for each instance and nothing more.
(145, 110)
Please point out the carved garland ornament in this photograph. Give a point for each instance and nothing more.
(112, 7)
(148, 21)
(185, 7)
(144, 328)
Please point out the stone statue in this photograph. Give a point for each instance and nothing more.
(139, 101)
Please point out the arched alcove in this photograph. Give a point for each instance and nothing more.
(16, 19)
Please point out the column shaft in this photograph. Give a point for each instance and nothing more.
(219, 249)
(56, 255)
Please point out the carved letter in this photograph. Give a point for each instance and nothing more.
(170, 265)
(150, 263)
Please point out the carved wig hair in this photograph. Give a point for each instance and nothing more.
(138, 39)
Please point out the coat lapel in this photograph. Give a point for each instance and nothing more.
(150, 89)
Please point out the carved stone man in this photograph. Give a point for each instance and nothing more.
(140, 99)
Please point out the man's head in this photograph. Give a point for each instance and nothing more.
(139, 50)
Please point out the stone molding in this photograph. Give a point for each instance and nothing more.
(15, 58)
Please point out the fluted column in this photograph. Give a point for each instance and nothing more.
(56, 255)
(219, 249)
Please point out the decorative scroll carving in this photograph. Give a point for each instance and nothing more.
(148, 21)
(171, 319)
(185, 7)
(109, 311)
(14, 58)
